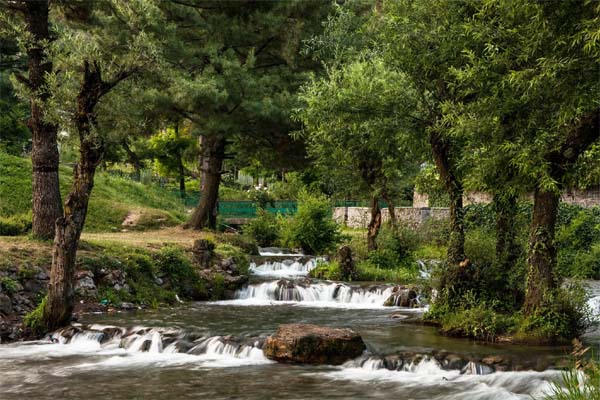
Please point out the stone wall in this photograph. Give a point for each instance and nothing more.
(358, 217)
(583, 198)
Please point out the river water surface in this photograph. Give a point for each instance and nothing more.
(211, 350)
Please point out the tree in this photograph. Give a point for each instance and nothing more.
(35, 38)
(534, 67)
(90, 48)
(170, 147)
(424, 41)
(234, 77)
(358, 123)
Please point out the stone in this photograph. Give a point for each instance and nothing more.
(402, 298)
(42, 276)
(84, 274)
(86, 287)
(33, 286)
(5, 304)
(313, 344)
(126, 306)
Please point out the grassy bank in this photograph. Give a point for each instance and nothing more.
(114, 199)
(122, 270)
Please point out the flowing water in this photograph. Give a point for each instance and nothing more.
(212, 350)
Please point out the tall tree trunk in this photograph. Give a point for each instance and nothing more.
(133, 159)
(454, 188)
(46, 201)
(391, 210)
(60, 302)
(181, 178)
(213, 154)
(374, 224)
(542, 249)
(507, 248)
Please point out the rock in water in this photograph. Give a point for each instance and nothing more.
(313, 344)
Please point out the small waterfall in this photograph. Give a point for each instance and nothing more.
(322, 294)
(156, 344)
(284, 268)
(277, 251)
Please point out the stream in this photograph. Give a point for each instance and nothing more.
(212, 350)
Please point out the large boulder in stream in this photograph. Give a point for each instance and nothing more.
(313, 344)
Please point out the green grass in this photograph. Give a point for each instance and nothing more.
(113, 198)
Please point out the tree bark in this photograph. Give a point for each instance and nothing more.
(213, 154)
(46, 200)
(181, 179)
(133, 159)
(542, 250)
(374, 224)
(454, 188)
(507, 248)
(60, 302)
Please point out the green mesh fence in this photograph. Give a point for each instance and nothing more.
(247, 208)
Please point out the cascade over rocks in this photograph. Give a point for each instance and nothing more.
(402, 297)
(313, 344)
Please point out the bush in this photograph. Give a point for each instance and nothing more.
(33, 319)
(579, 244)
(564, 315)
(480, 246)
(264, 229)
(480, 322)
(177, 268)
(394, 248)
(434, 231)
(15, 225)
(312, 228)
(327, 270)
(8, 284)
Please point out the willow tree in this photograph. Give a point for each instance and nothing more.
(235, 70)
(29, 22)
(358, 122)
(94, 55)
(535, 70)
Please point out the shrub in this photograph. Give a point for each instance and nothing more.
(394, 248)
(480, 322)
(15, 225)
(173, 264)
(8, 284)
(327, 270)
(312, 228)
(480, 246)
(435, 231)
(33, 319)
(264, 229)
(564, 315)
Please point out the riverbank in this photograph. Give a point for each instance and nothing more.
(120, 271)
